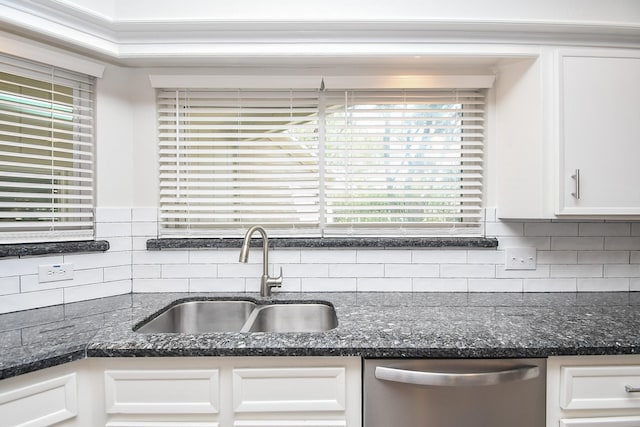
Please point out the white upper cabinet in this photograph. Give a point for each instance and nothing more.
(567, 135)
(598, 133)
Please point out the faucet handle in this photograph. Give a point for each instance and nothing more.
(275, 282)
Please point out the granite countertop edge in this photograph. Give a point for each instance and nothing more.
(371, 325)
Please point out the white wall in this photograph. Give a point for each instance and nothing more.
(282, 10)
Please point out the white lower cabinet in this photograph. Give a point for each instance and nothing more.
(593, 391)
(231, 392)
(55, 396)
(187, 392)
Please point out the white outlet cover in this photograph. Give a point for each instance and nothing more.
(55, 272)
(520, 259)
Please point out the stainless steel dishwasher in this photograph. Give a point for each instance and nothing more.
(454, 392)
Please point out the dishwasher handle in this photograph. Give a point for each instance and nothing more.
(457, 379)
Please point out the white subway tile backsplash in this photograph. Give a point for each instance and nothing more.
(305, 270)
(411, 270)
(605, 229)
(98, 260)
(541, 271)
(147, 229)
(318, 284)
(239, 270)
(148, 214)
(383, 256)
(120, 244)
(10, 285)
(540, 243)
(622, 243)
(622, 270)
(160, 257)
(189, 271)
(113, 274)
(485, 256)
(356, 270)
(215, 256)
(550, 285)
(139, 243)
(29, 300)
(551, 229)
(571, 255)
(495, 285)
(467, 270)
(430, 256)
(424, 284)
(113, 215)
(328, 256)
(31, 283)
(603, 257)
(146, 271)
(99, 290)
(160, 285)
(376, 284)
(287, 256)
(21, 266)
(557, 257)
(217, 285)
(106, 230)
(603, 285)
(503, 229)
(577, 243)
(576, 271)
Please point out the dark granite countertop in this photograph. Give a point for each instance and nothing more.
(432, 325)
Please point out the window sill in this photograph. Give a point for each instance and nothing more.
(32, 249)
(334, 242)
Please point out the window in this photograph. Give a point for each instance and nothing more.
(328, 162)
(46, 153)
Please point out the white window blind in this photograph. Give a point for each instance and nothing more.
(408, 161)
(233, 158)
(334, 162)
(46, 153)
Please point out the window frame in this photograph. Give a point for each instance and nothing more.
(191, 82)
(74, 143)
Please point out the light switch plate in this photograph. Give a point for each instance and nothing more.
(520, 259)
(55, 272)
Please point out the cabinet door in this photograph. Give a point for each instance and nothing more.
(599, 131)
(40, 402)
(601, 422)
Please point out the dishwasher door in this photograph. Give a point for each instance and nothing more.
(454, 393)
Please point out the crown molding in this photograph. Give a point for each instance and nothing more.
(130, 41)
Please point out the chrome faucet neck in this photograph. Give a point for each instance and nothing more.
(266, 282)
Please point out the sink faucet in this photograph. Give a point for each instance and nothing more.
(266, 282)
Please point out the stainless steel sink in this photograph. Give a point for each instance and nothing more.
(315, 317)
(195, 317)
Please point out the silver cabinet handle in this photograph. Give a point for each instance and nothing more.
(466, 379)
(576, 177)
(631, 389)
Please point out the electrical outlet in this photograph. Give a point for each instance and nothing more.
(520, 259)
(55, 272)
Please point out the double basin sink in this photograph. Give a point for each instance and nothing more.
(202, 316)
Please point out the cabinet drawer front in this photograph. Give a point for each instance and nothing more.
(161, 424)
(162, 391)
(289, 389)
(601, 422)
(41, 404)
(599, 387)
(291, 423)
